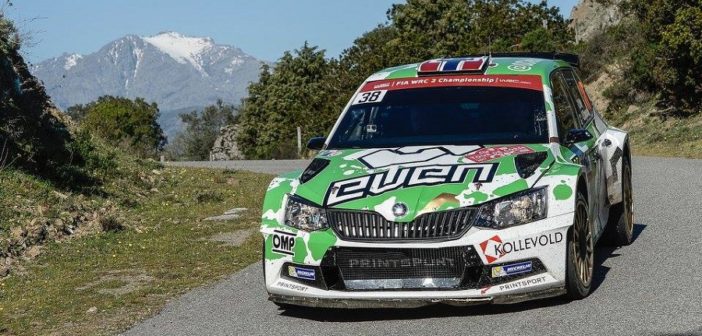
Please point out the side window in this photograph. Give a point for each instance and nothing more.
(563, 106)
(577, 91)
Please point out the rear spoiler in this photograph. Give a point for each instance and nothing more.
(572, 59)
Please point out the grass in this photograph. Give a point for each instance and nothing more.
(127, 274)
(670, 138)
(652, 135)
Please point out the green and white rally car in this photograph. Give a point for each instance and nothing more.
(462, 180)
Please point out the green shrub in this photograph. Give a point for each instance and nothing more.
(125, 123)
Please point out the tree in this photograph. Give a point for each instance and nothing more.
(295, 93)
(77, 112)
(669, 59)
(201, 130)
(442, 28)
(126, 123)
(305, 89)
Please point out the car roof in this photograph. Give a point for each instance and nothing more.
(498, 66)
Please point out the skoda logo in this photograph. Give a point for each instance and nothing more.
(399, 209)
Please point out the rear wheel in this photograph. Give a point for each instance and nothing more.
(580, 256)
(620, 228)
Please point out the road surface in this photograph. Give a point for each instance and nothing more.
(652, 287)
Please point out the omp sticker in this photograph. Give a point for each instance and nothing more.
(370, 97)
(531, 82)
(284, 242)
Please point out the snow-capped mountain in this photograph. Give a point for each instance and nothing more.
(171, 69)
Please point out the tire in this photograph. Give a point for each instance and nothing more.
(620, 226)
(580, 253)
(263, 261)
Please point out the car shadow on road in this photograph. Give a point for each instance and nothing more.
(434, 311)
(360, 315)
(606, 252)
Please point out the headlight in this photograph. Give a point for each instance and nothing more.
(303, 215)
(517, 209)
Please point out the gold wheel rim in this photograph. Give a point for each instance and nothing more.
(582, 246)
(628, 201)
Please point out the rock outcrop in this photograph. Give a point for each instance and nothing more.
(225, 147)
(591, 17)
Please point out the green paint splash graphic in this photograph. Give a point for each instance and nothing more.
(562, 192)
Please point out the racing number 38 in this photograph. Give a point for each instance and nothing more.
(370, 97)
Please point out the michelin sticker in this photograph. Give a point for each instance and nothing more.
(301, 273)
(512, 269)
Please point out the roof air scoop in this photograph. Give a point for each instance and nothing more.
(316, 166)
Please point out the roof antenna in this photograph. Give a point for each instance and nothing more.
(490, 51)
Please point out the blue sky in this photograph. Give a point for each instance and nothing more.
(262, 28)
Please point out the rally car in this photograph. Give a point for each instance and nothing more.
(479, 179)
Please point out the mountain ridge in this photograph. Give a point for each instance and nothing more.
(172, 69)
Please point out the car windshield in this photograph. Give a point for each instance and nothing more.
(453, 115)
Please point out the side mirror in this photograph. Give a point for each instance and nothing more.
(316, 143)
(576, 135)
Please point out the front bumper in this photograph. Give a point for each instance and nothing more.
(541, 244)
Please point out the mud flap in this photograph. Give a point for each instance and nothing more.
(612, 161)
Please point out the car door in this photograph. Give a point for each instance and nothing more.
(584, 152)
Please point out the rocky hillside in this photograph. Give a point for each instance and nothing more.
(174, 70)
(591, 17)
(33, 135)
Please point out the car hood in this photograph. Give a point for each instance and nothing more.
(423, 179)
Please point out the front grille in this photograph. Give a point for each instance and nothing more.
(371, 226)
(371, 263)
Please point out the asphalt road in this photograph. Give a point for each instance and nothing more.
(652, 287)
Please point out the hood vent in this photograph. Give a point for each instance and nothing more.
(315, 167)
(528, 163)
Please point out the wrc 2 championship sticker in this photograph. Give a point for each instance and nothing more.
(531, 82)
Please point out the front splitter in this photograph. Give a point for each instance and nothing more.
(411, 303)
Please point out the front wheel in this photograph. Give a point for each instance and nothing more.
(580, 257)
